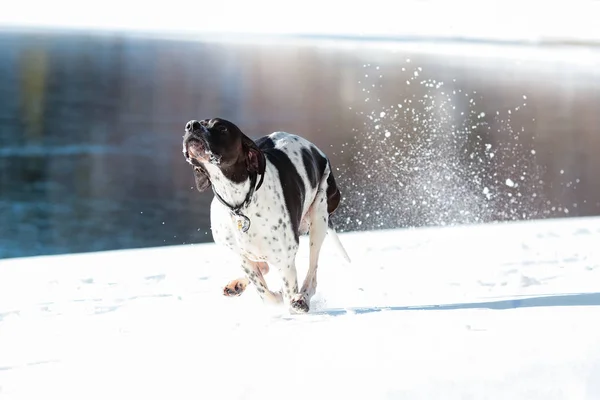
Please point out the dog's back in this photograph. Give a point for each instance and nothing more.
(290, 152)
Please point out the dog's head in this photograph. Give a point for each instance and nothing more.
(213, 145)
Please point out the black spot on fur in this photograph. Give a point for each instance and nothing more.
(333, 194)
(258, 215)
(310, 166)
(314, 163)
(265, 143)
(320, 160)
(291, 182)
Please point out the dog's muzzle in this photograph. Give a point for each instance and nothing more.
(195, 145)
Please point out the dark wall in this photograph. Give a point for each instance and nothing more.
(421, 134)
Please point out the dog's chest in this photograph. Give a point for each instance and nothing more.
(268, 237)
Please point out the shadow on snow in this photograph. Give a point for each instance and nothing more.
(561, 300)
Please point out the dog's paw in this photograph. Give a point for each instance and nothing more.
(299, 303)
(234, 288)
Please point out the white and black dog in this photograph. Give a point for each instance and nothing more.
(267, 194)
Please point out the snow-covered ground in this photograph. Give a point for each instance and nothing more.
(507, 311)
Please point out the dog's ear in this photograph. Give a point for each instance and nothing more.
(202, 178)
(255, 159)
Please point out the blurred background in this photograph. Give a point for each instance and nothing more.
(433, 114)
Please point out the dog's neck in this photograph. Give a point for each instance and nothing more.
(232, 185)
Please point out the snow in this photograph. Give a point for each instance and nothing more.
(497, 311)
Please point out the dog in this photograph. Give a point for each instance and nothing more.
(267, 193)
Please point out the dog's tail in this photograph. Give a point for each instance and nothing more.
(336, 239)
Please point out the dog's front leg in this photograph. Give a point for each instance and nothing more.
(254, 274)
(290, 286)
(237, 286)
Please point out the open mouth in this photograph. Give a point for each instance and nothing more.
(197, 150)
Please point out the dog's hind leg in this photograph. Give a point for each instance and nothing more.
(237, 286)
(318, 230)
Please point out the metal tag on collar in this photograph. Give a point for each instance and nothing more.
(242, 222)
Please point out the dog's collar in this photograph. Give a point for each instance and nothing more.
(243, 221)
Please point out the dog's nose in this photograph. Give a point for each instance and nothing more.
(192, 125)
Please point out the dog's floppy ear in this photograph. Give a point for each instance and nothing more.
(202, 178)
(255, 159)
